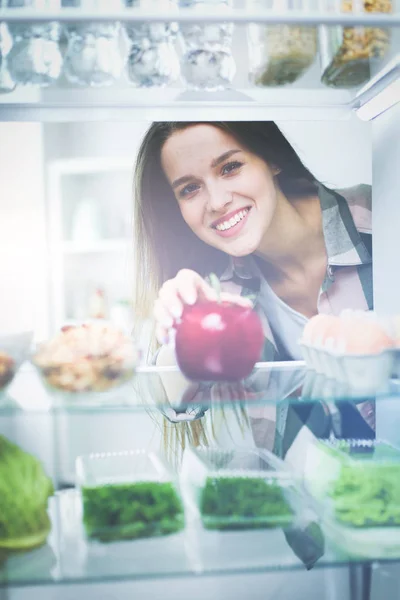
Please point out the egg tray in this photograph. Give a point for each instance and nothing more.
(363, 372)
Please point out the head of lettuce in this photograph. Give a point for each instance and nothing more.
(24, 492)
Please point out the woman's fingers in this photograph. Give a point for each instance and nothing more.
(169, 301)
(236, 299)
(162, 335)
(190, 284)
(163, 314)
(185, 288)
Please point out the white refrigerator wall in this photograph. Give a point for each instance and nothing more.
(385, 224)
(23, 268)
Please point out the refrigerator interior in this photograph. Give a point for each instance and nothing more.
(62, 149)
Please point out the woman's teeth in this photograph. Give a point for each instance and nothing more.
(233, 221)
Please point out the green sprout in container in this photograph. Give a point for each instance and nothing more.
(368, 495)
(131, 510)
(243, 502)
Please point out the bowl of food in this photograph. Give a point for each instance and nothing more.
(14, 350)
(92, 357)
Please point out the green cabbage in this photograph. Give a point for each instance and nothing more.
(24, 492)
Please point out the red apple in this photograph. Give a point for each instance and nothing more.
(218, 341)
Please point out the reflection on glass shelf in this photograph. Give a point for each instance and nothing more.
(168, 391)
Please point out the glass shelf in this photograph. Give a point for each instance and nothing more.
(162, 400)
(248, 12)
(69, 557)
(62, 102)
(165, 388)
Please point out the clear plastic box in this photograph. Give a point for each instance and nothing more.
(363, 372)
(237, 489)
(128, 495)
(355, 485)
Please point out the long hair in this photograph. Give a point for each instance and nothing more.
(163, 242)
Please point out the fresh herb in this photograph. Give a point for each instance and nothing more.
(243, 502)
(128, 511)
(24, 492)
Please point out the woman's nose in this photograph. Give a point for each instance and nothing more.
(218, 199)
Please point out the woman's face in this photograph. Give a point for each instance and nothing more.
(226, 194)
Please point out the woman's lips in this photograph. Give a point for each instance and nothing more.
(235, 229)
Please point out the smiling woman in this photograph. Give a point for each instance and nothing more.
(234, 198)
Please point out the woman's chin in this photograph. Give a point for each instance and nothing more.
(240, 250)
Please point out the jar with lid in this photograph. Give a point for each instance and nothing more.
(279, 54)
(93, 57)
(7, 84)
(348, 53)
(207, 59)
(152, 56)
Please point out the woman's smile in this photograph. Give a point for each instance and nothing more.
(231, 224)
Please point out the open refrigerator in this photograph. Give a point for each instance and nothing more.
(320, 64)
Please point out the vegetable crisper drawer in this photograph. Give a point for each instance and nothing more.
(237, 489)
(127, 495)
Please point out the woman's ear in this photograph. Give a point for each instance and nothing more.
(275, 170)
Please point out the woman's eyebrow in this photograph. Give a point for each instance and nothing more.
(214, 163)
(224, 156)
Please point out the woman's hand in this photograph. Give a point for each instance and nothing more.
(186, 288)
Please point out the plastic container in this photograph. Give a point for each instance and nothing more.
(237, 489)
(355, 348)
(93, 357)
(347, 53)
(280, 54)
(127, 495)
(355, 485)
(14, 349)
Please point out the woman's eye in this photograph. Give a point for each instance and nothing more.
(231, 167)
(187, 190)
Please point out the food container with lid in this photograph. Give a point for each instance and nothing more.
(279, 54)
(354, 348)
(347, 53)
(128, 495)
(238, 488)
(207, 61)
(355, 485)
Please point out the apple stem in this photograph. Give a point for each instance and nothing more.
(216, 285)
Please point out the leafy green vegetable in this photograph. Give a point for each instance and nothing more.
(368, 495)
(243, 502)
(24, 492)
(363, 481)
(131, 510)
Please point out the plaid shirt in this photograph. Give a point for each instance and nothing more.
(346, 219)
(347, 284)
